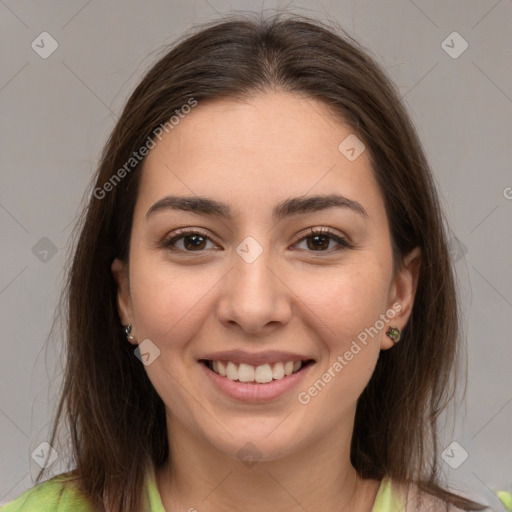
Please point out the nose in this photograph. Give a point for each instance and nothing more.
(254, 296)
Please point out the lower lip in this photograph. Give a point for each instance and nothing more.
(249, 392)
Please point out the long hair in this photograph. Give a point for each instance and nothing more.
(114, 416)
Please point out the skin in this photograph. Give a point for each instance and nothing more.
(293, 297)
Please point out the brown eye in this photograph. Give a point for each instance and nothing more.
(192, 241)
(319, 240)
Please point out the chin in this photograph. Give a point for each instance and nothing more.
(257, 445)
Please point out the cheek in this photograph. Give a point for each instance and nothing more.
(344, 315)
(167, 298)
(345, 303)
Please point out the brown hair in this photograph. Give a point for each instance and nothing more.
(115, 417)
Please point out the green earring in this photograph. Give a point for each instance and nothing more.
(394, 334)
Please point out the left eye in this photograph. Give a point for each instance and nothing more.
(316, 241)
(320, 240)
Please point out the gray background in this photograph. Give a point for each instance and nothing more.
(57, 113)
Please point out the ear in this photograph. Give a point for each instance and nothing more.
(124, 304)
(402, 293)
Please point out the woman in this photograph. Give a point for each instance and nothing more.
(262, 312)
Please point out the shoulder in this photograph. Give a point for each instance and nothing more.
(393, 496)
(422, 501)
(417, 500)
(59, 494)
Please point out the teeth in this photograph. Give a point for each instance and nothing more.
(278, 371)
(246, 373)
(261, 374)
(232, 371)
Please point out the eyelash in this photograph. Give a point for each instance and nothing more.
(182, 233)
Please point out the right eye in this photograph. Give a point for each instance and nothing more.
(193, 240)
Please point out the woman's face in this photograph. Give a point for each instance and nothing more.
(251, 287)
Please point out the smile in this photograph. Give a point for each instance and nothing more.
(261, 374)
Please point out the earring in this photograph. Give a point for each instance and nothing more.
(128, 330)
(394, 334)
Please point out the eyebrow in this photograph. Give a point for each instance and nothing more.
(286, 208)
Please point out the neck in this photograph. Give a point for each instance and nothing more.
(317, 477)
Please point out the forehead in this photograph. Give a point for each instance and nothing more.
(271, 145)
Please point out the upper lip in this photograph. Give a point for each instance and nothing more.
(255, 359)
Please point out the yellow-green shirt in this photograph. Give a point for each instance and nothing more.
(55, 496)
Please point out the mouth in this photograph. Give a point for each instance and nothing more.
(256, 374)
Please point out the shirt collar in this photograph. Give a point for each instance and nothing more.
(152, 494)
